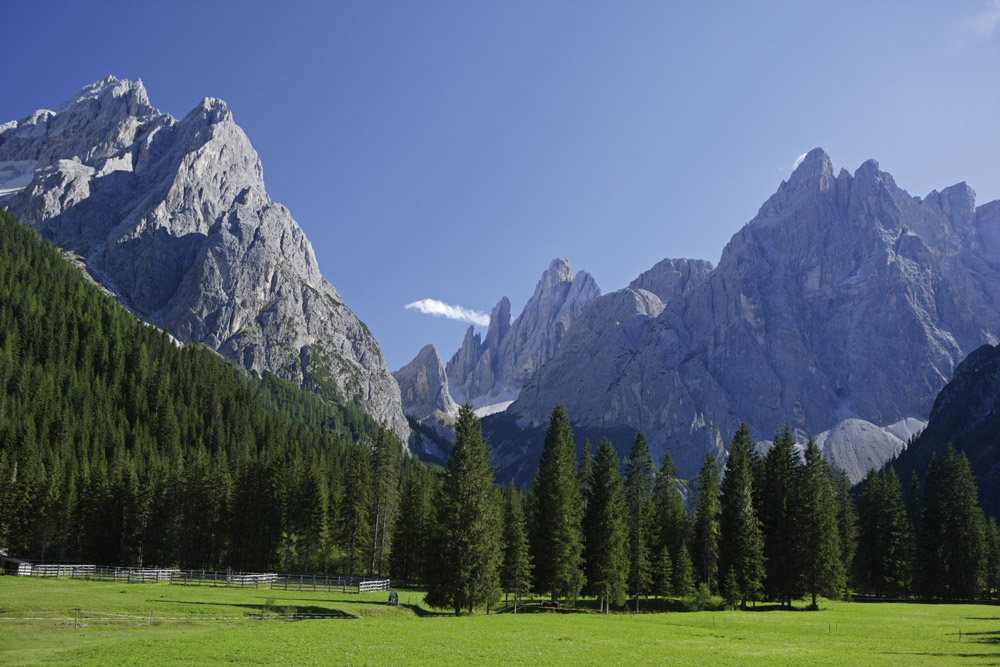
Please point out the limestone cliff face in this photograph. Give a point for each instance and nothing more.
(172, 216)
(423, 386)
(496, 369)
(844, 298)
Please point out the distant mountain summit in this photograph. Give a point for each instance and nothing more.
(172, 216)
(493, 370)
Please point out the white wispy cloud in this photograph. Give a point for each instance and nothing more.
(984, 24)
(442, 309)
(798, 161)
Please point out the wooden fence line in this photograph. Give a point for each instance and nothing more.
(228, 578)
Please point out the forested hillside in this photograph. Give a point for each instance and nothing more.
(117, 446)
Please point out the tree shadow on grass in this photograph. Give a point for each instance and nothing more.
(376, 603)
(280, 610)
(425, 613)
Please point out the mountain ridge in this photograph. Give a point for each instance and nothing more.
(173, 217)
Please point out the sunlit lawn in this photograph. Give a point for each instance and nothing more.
(167, 624)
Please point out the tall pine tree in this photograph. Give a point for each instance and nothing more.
(515, 574)
(556, 514)
(780, 475)
(606, 530)
(818, 532)
(741, 544)
(467, 549)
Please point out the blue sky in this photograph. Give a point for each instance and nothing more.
(449, 150)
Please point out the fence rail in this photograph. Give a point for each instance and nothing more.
(327, 583)
(287, 582)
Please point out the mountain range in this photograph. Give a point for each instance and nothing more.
(842, 308)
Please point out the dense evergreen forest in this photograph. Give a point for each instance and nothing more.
(119, 447)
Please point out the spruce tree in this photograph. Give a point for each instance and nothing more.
(952, 543)
(683, 573)
(741, 543)
(606, 530)
(818, 532)
(882, 565)
(639, 474)
(706, 523)
(515, 574)
(670, 520)
(467, 549)
(556, 514)
(778, 499)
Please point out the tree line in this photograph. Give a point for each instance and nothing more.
(770, 527)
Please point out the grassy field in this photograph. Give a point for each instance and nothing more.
(160, 624)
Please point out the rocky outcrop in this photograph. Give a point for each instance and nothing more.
(844, 298)
(423, 386)
(671, 278)
(856, 446)
(173, 218)
(494, 370)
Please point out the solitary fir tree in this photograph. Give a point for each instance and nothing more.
(778, 499)
(605, 530)
(819, 535)
(557, 512)
(466, 570)
(515, 574)
(741, 544)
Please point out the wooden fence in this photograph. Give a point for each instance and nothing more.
(328, 583)
(286, 582)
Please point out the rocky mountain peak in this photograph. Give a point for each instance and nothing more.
(110, 90)
(423, 386)
(494, 371)
(499, 323)
(173, 218)
(815, 168)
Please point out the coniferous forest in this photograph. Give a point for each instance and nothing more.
(117, 446)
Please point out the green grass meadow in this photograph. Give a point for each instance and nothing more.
(163, 624)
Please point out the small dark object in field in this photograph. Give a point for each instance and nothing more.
(393, 598)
